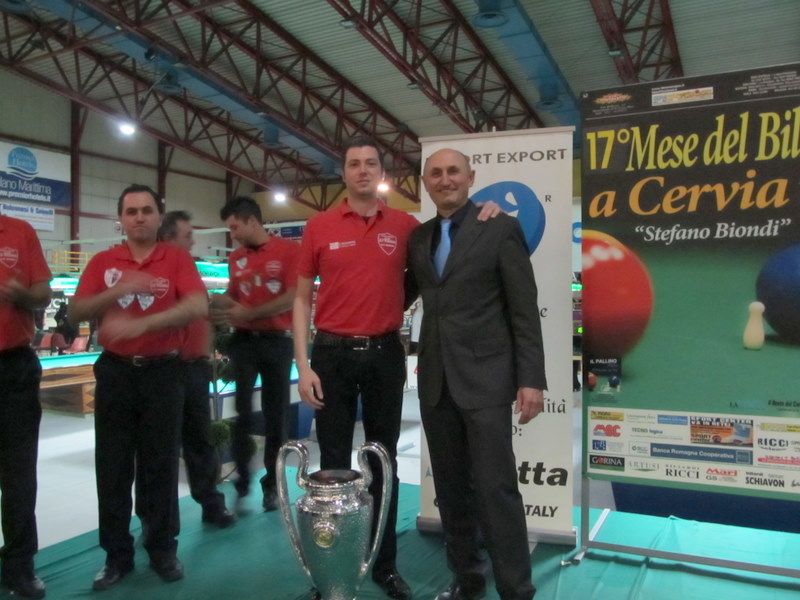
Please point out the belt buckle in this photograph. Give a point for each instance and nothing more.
(363, 340)
(139, 361)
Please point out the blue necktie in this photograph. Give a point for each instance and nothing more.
(443, 249)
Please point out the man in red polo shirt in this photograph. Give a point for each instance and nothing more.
(202, 463)
(24, 287)
(359, 251)
(258, 303)
(144, 293)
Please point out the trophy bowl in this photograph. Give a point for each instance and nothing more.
(331, 537)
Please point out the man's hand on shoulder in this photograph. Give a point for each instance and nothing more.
(529, 403)
(489, 210)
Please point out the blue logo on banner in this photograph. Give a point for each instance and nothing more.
(719, 455)
(598, 445)
(22, 163)
(518, 200)
(673, 420)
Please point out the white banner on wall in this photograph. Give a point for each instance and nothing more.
(41, 218)
(529, 174)
(34, 175)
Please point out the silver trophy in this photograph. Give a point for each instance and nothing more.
(331, 539)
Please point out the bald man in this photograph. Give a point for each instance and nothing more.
(480, 352)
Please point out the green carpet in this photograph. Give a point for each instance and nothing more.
(253, 559)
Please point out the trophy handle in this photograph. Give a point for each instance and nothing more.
(283, 495)
(386, 494)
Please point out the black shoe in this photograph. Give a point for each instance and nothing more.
(169, 569)
(456, 592)
(219, 518)
(109, 576)
(392, 584)
(25, 586)
(270, 501)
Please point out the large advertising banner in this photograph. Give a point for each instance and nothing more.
(691, 273)
(529, 174)
(32, 175)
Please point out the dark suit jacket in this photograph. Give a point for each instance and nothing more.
(480, 326)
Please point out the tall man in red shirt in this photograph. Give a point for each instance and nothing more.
(261, 287)
(359, 251)
(144, 293)
(24, 287)
(202, 463)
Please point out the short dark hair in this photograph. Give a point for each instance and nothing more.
(138, 187)
(361, 142)
(169, 224)
(241, 207)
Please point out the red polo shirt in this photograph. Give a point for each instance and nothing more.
(21, 258)
(197, 341)
(174, 277)
(360, 263)
(259, 275)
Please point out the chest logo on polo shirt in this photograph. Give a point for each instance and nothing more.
(159, 286)
(125, 301)
(274, 285)
(244, 287)
(241, 262)
(387, 242)
(145, 300)
(338, 245)
(9, 257)
(111, 277)
(273, 268)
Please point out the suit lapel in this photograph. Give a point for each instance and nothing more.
(469, 231)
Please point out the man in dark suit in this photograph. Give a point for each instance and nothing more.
(480, 352)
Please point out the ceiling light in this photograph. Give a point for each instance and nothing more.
(280, 197)
(127, 129)
(383, 187)
(490, 14)
(348, 23)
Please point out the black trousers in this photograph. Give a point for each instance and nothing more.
(475, 477)
(271, 357)
(377, 375)
(199, 455)
(137, 421)
(20, 414)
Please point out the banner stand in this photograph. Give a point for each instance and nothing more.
(589, 537)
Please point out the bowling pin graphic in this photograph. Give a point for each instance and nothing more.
(753, 337)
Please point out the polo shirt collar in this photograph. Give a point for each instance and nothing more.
(345, 208)
(123, 252)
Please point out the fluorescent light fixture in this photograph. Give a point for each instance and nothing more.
(280, 197)
(127, 129)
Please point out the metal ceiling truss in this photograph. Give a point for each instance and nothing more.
(250, 56)
(116, 86)
(641, 38)
(248, 59)
(434, 46)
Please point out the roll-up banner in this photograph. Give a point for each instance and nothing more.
(529, 174)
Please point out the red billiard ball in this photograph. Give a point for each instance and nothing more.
(617, 296)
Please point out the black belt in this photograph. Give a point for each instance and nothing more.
(142, 361)
(353, 342)
(266, 333)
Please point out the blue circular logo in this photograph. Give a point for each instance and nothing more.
(520, 201)
(22, 163)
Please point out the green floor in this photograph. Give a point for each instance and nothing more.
(253, 560)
